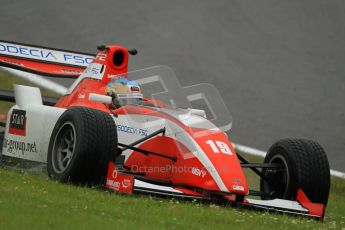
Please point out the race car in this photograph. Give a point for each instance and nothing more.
(103, 131)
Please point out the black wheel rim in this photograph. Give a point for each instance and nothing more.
(277, 181)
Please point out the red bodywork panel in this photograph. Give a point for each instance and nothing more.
(188, 171)
(117, 181)
(80, 95)
(314, 208)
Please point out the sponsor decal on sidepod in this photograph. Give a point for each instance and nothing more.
(131, 130)
(13, 146)
(18, 122)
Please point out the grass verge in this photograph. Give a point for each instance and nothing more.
(34, 202)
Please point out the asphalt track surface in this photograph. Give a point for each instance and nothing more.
(279, 65)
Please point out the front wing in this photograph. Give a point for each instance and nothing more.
(125, 183)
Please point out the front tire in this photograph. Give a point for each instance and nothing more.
(305, 166)
(83, 141)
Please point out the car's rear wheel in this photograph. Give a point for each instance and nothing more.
(83, 141)
(304, 166)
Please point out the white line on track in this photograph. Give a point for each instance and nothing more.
(256, 152)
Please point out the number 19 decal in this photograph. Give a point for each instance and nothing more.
(219, 146)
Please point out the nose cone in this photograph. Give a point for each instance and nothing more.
(227, 170)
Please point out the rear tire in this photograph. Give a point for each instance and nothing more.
(83, 141)
(306, 167)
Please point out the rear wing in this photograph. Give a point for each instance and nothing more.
(43, 61)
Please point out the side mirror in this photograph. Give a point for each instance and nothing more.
(100, 98)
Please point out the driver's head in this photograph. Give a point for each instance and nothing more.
(124, 91)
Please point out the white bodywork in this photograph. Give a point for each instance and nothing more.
(40, 121)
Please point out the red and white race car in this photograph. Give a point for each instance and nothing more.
(102, 130)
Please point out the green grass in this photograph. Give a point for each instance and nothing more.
(31, 201)
(34, 202)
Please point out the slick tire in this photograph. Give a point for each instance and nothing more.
(305, 166)
(82, 143)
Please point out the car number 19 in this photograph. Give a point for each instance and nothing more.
(219, 147)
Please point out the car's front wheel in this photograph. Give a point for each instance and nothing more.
(304, 166)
